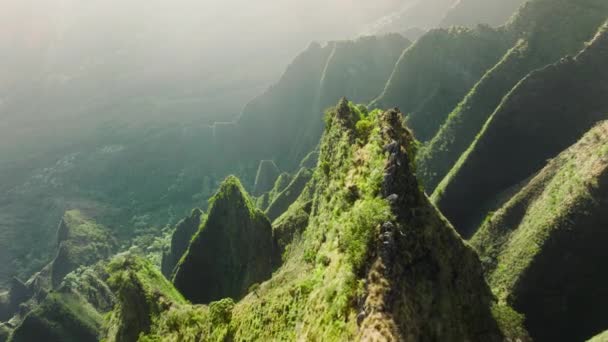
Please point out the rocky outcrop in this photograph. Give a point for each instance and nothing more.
(232, 250)
(180, 240)
(372, 259)
(418, 249)
(541, 249)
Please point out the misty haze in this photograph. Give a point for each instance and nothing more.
(285, 170)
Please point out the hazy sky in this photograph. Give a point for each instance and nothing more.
(166, 40)
(65, 59)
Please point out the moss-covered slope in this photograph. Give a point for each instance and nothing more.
(60, 318)
(546, 112)
(376, 261)
(603, 337)
(81, 241)
(233, 249)
(542, 248)
(543, 31)
(433, 75)
(142, 293)
(180, 240)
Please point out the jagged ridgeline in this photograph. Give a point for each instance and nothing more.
(286, 122)
(545, 113)
(374, 260)
(542, 32)
(433, 74)
(543, 249)
(233, 249)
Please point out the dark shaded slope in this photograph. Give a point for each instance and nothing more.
(437, 71)
(543, 248)
(285, 198)
(549, 30)
(60, 318)
(545, 113)
(233, 249)
(180, 240)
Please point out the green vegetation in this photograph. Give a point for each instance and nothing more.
(284, 124)
(285, 198)
(433, 75)
(535, 130)
(555, 219)
(603, 337)
(543, 31)
(60, 318)
(232, 249)
(180, 240)
(143, 294)
(81, 242)
(333, 282)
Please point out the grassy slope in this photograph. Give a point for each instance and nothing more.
(603, 337)
(541, 248)
(81, 242)
(550, 29)
(434, 73)
(545, 113)
(412, 279)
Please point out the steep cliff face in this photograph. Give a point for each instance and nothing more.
(142, 294)
(11, 300)
(541, 249)
(60, 318)
(545, 113)
(375, 260)
(435, 73)
(81, 242)
(233, 249)
(543, 31)
(180, 240)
